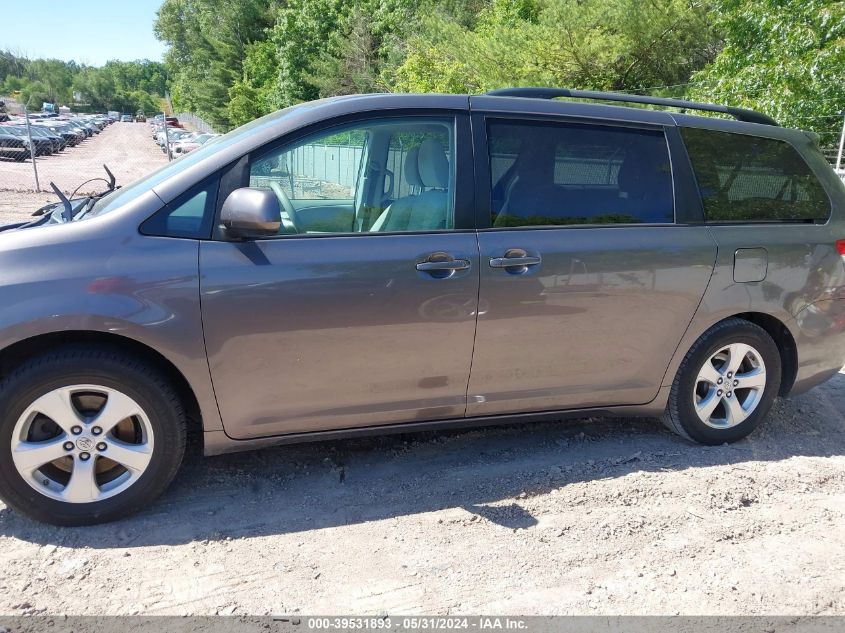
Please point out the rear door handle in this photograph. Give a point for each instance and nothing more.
(455, 264)
(510, 262)
(516, 261)
(442, 265)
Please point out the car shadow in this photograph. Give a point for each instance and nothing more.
(484, 471)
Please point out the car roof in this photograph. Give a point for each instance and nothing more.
(350, 104)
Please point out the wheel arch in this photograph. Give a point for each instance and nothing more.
(774, 327)
(785, 342)
(22, 350)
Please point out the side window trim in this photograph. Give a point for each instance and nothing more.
(237, 173)
(483, 172)
(689, 209)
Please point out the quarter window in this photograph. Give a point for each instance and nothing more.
(190, 215)
(561, 174)
(746, 178)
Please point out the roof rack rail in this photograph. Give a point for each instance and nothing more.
(740, 114)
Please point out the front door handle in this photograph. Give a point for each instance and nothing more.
(516, 260)
(442, 265)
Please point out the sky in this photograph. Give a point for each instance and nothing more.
(86, 31)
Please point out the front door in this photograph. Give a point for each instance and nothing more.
(362, 311)
(587, 281)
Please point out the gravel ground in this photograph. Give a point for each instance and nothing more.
(127, 149)
(580, 517)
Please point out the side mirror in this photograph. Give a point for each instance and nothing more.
(250, 212)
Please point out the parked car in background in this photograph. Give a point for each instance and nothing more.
(58, 143)
(12, 146)
(126, 118)
(78, 128)
(59, 127)
(485, 259)
(190, 143)
(173, 134)
(43, 146)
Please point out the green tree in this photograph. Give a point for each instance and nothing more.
(602, 44)
(333, 47)
(208, 42)
(123, 86)
(783, 57)
(251, 96)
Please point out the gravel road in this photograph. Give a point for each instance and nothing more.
(579, 517)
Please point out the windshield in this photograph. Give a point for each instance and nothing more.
(119, 197)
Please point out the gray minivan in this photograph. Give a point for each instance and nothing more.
(388, 263)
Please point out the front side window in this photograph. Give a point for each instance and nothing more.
(551, 174)
(746, 178)
(384, 175)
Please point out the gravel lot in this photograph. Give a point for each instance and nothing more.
(127, 148)
(583, 517)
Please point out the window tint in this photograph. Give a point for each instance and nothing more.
(383, 176)
(746, 178)
(190, 215)
(561, 174)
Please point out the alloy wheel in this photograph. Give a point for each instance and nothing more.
(82, 443)
(729, 386)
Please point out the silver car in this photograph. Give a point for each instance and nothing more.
(388, 263)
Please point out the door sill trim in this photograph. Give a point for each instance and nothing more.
(217, 442)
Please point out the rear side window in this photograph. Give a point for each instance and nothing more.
(553, 174)
(746, 178)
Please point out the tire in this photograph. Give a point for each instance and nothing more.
(82, 382)
(697, 387)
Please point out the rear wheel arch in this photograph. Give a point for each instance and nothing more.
(726, 382)
(19, 352)
(774, 326)
(785, 342)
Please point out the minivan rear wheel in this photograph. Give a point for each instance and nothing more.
(725, 385)
(87, 436)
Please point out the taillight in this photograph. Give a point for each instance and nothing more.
(840, 246)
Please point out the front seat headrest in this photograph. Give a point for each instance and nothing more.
(412, 168)
(433, 165)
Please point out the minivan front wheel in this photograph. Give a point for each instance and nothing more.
(725, 385)
(87, 436)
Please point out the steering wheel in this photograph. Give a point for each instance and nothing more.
(287, 205)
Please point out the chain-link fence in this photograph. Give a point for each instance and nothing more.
(194, 123)
(68, 148)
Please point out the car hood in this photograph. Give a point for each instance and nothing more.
(52, 215)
